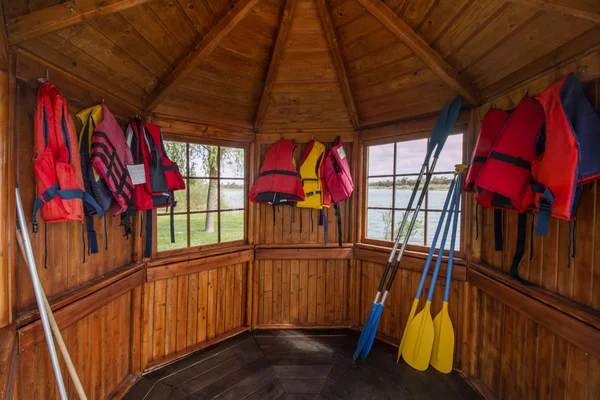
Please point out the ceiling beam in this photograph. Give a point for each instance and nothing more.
(578, 9)
(200, 51)
(340, 68)
(407, 35)
(60, 16)
(282, 34)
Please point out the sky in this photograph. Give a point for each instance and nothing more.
(410, 155)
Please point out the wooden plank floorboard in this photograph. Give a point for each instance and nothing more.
(297, 365)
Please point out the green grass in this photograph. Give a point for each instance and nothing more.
(232, 228)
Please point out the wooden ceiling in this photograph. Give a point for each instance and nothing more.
(301, 64)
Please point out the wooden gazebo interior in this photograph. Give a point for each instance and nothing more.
(244, 74)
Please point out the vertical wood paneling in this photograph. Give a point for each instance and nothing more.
(188, 310)
(99, 345)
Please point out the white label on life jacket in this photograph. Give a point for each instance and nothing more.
(341, 153)
(137, 174)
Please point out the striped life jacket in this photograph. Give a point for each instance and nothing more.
(571, 154)
(310, 174)
(56, 161)
(278, 180)
(110, 157)
(93, 183)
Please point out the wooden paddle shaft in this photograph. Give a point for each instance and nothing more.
(57, 335)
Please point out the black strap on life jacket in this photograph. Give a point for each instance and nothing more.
(323, 221)
(498, 229)
(338, 214)
(507, 158)
(278, 172)
(91, 234)
(520, 248)
(148, 245)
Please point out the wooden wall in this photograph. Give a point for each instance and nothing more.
(297, 281)
(187, 310)
(537, 341)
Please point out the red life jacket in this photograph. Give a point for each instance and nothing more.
(337, 172)
(162, 174)
(110, 157)
(491, 127)
(278, 180)
(507, 171)
(572, 150)
(56, 161)
(327, 200)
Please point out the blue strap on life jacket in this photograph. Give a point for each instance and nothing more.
(544, 213)
(91, 234)
(68, 194)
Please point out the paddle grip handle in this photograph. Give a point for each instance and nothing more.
(385, 272)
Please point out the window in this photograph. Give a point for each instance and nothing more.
(211, 209)
(392, 172)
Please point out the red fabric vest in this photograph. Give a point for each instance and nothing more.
(491, 127)
(110, 157)
(278, 179)
(162, 174)
(327, 200)
(507, 171)
(572, 148)
(337, 173)
(56, 161)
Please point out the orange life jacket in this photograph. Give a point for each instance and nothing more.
(56, 161)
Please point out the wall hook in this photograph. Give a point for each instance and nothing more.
(46, 79)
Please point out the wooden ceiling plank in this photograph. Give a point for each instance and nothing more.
(282, 35)
(202, 49)
(579, 9)
(404, 32)
(62, 15)
(340, 68)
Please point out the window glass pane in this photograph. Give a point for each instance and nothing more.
(203, 160)
(176, 151)
(232, 226)
(433, 219)
(438, 191)
(381, 159)
(451, 154)
(404, 188)
(163, 232)
(203, 194)
(204, 228)
(232, 162)
(378, 224)
(181, 199)
(379, 192)
(232, 194)
(410, 155)
(418, 232)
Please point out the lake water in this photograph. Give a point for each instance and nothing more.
(377, 220)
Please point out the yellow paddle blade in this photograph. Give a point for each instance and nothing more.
(443, 343)
(419, 340)
(413, 311)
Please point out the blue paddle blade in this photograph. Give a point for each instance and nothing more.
(372, 331)
(365, 333)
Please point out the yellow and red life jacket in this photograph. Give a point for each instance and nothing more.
(311, 175)
(56, 161)
(278, 180)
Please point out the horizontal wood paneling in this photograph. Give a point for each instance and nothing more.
(100, 347)
(303, 293)
(58, 247)
(183, 312)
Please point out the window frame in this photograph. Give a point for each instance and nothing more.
(459, 129)
(188, 139)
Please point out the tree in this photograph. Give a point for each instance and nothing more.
(387, 224)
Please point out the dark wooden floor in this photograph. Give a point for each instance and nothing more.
(297, 365)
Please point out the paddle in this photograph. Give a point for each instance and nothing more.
(415, 303)
(418, 342)
(443, 341)
(441, 130)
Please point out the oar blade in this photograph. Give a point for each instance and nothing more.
(364, 335)
(411, 315)
(442, 354)
(372, 330)
(419, 340)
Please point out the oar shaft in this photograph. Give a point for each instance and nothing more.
(453, 238)
(438, 262)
